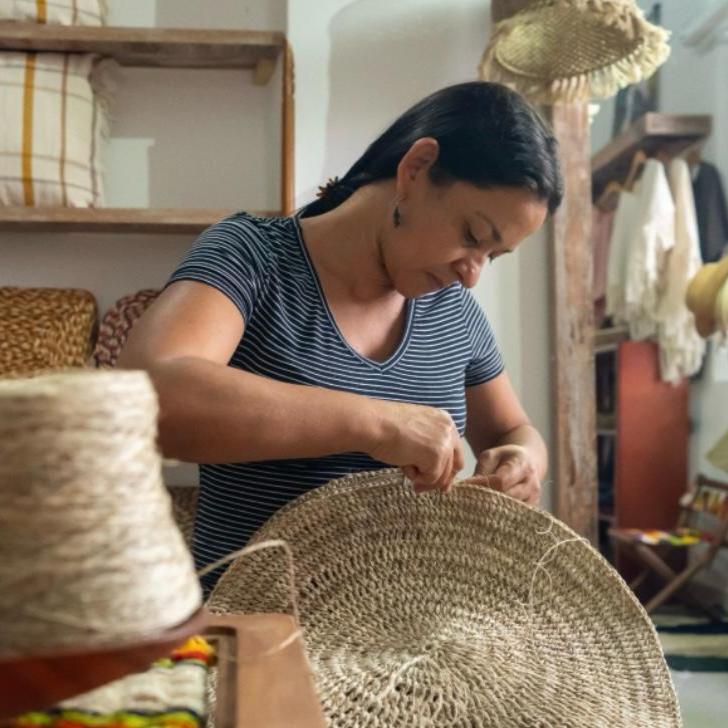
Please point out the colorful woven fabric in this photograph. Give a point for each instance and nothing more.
(42, 329)
(171, 694)
(117, 323)
(653, 537)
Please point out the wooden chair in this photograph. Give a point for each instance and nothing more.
(703, 519)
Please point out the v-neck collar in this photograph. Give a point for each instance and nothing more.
(411, 305)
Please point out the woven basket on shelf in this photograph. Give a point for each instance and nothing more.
(44, 329)
(451, 610)
(117, 323)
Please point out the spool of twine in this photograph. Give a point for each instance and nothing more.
(89, 552)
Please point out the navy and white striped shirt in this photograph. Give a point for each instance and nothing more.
(263, 267)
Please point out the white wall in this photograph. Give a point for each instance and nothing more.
(359, 64)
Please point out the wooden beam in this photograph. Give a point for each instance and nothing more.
(287, 133)
(572, 314)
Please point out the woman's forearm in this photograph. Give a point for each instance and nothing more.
(212, 413)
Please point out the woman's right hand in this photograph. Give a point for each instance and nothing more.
(422, 441)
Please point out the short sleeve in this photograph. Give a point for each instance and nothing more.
(486, 362)
(231, 256)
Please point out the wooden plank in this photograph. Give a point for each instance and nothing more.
(130, 220)
(287, 133)
(652, 133)
(574, 464)
(261, 684)
(163, 47)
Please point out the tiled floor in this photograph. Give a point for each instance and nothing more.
(703, 698)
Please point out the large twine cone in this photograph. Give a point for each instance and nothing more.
(461, 609)
(571, 50)
(89, 550)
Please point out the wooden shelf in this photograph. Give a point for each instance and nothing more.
(160, 47)
(129, 220)
(652, 133)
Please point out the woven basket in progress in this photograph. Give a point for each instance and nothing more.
(465, 609)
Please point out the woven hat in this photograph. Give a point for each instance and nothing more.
(702, 297)
(43, 329)
(563, 50)
(460, 609)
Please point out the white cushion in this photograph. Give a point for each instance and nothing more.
(52, 125)
(56, 12)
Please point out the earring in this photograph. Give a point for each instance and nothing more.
(396, 217)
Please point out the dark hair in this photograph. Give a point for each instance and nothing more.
(488, 134)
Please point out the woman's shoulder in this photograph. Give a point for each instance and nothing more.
(264, 239)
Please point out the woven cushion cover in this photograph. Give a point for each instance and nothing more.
(53, 124)
(60, 12)
(117, 324)
(454, 610)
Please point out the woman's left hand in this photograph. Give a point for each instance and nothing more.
(511, 470)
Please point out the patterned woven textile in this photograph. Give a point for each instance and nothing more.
(45, 328)
(117, 323)
(53, 124)
(171, 694)
(460, 609)
(55, 12)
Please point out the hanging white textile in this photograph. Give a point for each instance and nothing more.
(681, 347)
(652, 239)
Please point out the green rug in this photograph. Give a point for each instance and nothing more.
(693, 644)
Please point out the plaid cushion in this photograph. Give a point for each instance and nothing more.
(53, 124)
(56, 12)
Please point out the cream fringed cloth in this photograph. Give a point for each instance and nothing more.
(461, 609)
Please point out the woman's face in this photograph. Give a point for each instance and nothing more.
(448, 233)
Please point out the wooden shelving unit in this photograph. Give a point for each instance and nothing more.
(257, 51)
(652, 133)
(156, 47)
(128, 220)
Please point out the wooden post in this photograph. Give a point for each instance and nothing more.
(572, 314)
(287, 133)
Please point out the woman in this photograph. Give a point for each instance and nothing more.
(290, 351)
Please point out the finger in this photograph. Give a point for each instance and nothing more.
(445, 482)
(520, 492)
(529, 491)
(488, 462)
(410, 472)
(428, 479)
(458, 456)
(487, 481)
(512, 471)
